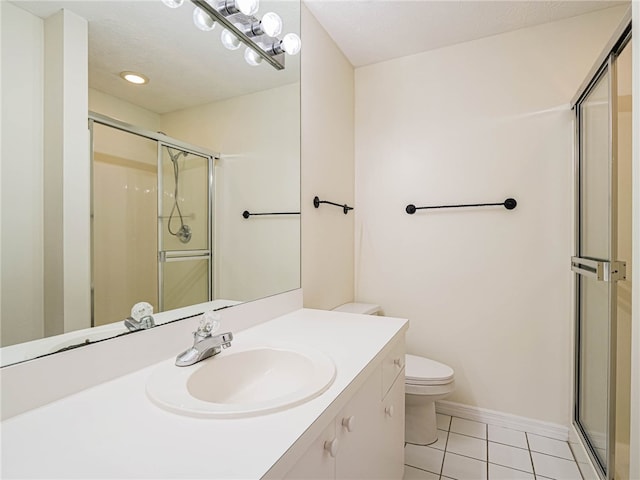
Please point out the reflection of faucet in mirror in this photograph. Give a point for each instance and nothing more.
(141, 317)
(205, 344)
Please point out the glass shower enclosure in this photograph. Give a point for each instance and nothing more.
(602, 259)
(151, 220)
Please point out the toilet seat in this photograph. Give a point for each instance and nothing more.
(424, 371)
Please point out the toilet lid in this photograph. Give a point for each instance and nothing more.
(423, 371)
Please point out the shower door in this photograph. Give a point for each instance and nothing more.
(184, 225)
(597, 266)
(152, 219)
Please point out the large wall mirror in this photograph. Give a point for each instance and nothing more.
(182, 191)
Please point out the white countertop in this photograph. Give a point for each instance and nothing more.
(114, 431)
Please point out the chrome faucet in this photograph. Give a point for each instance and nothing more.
(145, 322)
(205, 344)
(141, 317)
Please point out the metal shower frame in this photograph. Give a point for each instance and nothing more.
(163, 141)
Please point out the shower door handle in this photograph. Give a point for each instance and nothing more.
(182, 255)
(600, 270)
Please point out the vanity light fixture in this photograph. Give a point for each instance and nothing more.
(240, 26)
(270, 25)
(252, 58)
(134, 77)
(229, 40)
(202, 20)
(290, 44)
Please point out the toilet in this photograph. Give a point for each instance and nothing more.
(425, 382)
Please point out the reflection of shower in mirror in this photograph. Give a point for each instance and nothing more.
(184, 232)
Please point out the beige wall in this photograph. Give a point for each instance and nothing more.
(45, 260)
(327, 169)
(67, 270)
(259, 172)
(123, 111)
(487, 291)
(22, 175)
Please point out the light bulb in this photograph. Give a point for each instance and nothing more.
(203, 20)
(134, 77)
(291, 43)
(252, 58)
(271, 24)
(173, 3)
(229, 40)
(248, 7)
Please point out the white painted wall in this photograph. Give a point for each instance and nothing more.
(488, 291)
(22, 174)
(257, 136)
(327, 168)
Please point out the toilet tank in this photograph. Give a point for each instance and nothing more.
(361, 308)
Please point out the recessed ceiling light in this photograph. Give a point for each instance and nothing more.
(135, 78)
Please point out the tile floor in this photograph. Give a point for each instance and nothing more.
(468, 450)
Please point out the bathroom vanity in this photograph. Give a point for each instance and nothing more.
(354, 429)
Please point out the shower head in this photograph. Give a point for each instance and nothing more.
(175, 156)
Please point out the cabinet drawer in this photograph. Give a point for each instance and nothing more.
(392, 365)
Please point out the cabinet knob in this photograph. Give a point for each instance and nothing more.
(331, 447)
(389, 410)
(349, 423)
(397, 362)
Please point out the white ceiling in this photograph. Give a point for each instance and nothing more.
(372, 31)
(188, 67)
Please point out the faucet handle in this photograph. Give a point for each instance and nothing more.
(209, 323)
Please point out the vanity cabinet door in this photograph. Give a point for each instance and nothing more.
(319, 461)
(391, 456)
(358, 431)
(366, 439)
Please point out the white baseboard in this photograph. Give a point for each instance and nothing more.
(506, 420)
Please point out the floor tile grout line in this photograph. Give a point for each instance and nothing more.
(467, 456)
(533, 467)
(487, 447)
(508, 444)
(510, 468)
(419, 468)
(446, 443)
(535, 451)
(554, 456)
(466, 435)
(575, 460)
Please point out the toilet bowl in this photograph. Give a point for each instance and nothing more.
(425, 382)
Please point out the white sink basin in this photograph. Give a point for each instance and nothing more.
(242, 382)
